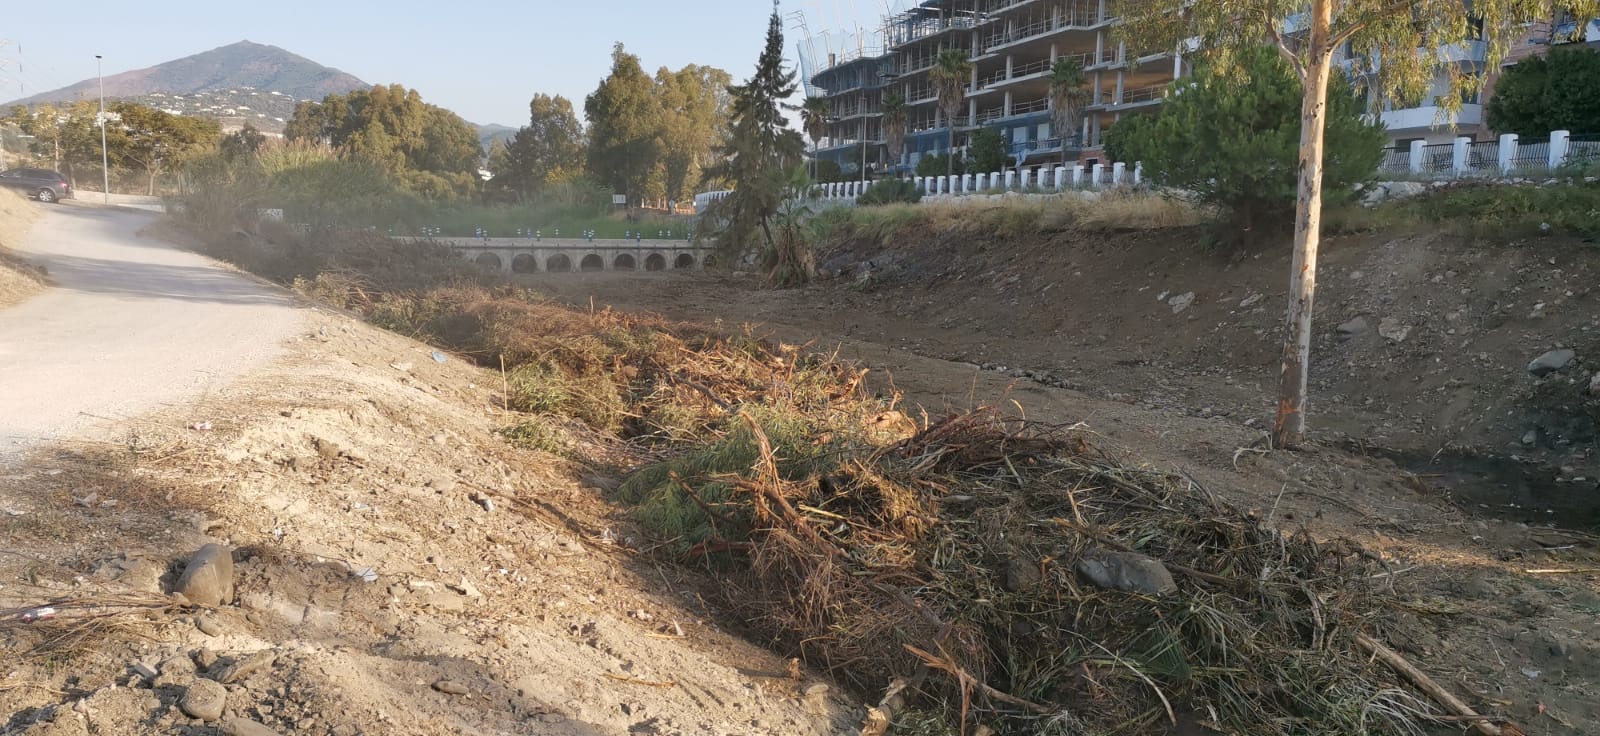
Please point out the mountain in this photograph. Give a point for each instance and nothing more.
(244, 81)
(490, 134)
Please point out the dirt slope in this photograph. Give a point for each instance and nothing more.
(18, 279)
(1512, 641)
(386, 541)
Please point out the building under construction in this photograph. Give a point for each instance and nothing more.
(1013, 44)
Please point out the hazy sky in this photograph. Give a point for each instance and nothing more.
(482, 60)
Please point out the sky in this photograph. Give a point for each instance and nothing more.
(482, 60)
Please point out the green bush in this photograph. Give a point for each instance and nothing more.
(1233, 137)
(891, 191)
(932, 164)
(1512, 211)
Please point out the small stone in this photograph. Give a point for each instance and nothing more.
(175, 671)
(208, 625)
(1181, 302)
(245, 727)
(1551, 362)
(204, 699)
(1128, 571)
(1354, 327)
(242, 669)
(205, 658)
(1251, 301)
(450, 687)
(145, 671)
(1530, 438)
(208, 577)
(1021, 575)
(1391, 329)
(1594, 384)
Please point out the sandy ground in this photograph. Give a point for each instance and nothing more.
(399, 569)
(132, 324)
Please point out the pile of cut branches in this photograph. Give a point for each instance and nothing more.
(1018, 578)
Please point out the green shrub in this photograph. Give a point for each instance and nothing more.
(891, 191)
(1509, 211)
(1233, 136)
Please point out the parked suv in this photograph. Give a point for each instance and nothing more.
(41, 184)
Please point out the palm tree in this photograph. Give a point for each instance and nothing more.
(814, 114)
(951, 74)
(1067, 97)
(894, 125)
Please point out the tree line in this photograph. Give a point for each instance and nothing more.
(649, 138)
(138, 139)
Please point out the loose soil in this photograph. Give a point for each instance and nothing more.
(400, 569)
(1417, 451)
(18, 279)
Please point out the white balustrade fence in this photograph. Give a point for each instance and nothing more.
(1507, 157)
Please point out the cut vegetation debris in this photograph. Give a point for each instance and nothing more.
(1019, 578)
(998, 573)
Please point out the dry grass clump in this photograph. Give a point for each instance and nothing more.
(1017, 215)
(951, 558)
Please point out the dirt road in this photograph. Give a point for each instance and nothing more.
(132, 324)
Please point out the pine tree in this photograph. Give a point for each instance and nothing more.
(761, 150)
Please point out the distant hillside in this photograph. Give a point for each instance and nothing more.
(489, 134)
(241, 82)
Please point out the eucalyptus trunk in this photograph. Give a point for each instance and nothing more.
(1290, 425)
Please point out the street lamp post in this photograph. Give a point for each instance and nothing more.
(105, 157)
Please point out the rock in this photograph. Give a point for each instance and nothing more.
(1530, 438)
(245, 727)
(242, 669)
(1181, 302)
(205, 658)
(1251, 301)
(1127, 571)
(1354, 327)
(175, 671)
(1021, 575)
(1551, 362)
(450, 687)
(208, 577)
(1391, 329)
(1594, 384)
(208, 625)
(145, 670)
(204, 699)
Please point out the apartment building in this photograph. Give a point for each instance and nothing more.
(1012, 44)
(1428, 120)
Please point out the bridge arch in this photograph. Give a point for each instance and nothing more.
(655, 262)
(684, 260)
(592, 262)
(558, 263)
(524, 263)
(489, 261)
(624, 262)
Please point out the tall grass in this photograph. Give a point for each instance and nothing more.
(1013, 217)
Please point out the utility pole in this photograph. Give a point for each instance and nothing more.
(105, 157)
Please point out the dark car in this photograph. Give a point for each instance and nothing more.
(42, 184)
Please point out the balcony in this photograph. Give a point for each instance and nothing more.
(1074, 17)
(1430, 116)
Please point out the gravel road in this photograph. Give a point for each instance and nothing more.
(130, 325)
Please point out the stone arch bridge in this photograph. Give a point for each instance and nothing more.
(522, 255)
